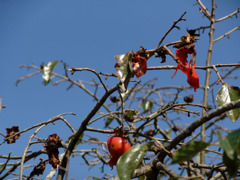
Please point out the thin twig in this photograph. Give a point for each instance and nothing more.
(196, 67)
(91, 70)
(204, 10)
(173, 26)
(5, 164)
(26, 149)
(219, 77)
(51, 120)
(228, 16)
(81, 129)
(27, 76)
(226, 35)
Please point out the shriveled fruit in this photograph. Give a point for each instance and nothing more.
(117, 146)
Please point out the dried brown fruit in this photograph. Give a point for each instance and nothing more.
(119, 132)
(114, 99)
(189, 98)
(10, 132)
(150, 132)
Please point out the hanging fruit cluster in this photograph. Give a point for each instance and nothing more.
(117, 146)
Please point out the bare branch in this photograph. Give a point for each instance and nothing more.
(173, 26)
(204, 10)
(227, 34)
(27, 76)
(51, 120)
(88, 69)
(197, 67)
(197, 123)
(228, 16)
(5, 165)
(80, 131)
(219, 77)
(26, 149)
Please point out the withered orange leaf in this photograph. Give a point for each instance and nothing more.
(52, 145)
(10, 132)
(139, 65)
(188, 68)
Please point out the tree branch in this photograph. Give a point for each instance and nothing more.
(173, 26)
(80, 130)
(227, 34)
(88, 69)
(228, 16)
(185, 133)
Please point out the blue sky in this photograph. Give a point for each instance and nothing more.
(90, 34)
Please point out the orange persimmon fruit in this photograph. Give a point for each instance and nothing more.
(117, 146)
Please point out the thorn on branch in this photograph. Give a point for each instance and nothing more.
(177, 27)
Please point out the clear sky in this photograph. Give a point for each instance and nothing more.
(89, 34)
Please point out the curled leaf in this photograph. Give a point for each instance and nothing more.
(139, 62)
(188, 68)
(47, 71)
(227, 94)
(123, 68)
(38, 169)
(147, 105)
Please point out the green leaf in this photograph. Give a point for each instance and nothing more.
(230, 144)
(147, 105)
(123, 68)
(227, 94)
(130, 112)
(97, 178)
(187, 152)
(79, 140)
(1, 167)
(131, 159)
(181, 178)
(47, 71)
(108, 121)
(93, 178)
(143, 177)
(232, 165)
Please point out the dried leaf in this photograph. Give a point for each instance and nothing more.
(123, 68)
(52, 145)
(11, 131)
(38, 169)
(139, 65)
